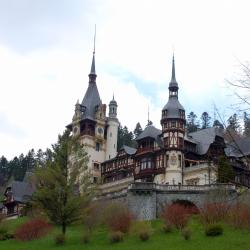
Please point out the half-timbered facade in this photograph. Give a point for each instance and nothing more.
(166, 156)
(171, 156)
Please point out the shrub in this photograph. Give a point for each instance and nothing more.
(176, 215)
(144, 236)
(60, 239)
(212, 213)
(213, 230)
(4, 234)
(32, 229)
(86, 238)
(186, 233)
(239, 216)
(142, 229)
(167, 228)
(118, 217)
(2, 217)
(3, 229)
(92, 216)
(115, 237)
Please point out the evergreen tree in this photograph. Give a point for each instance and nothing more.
(218, 124)
(205, 120)
(192, 124)
(137, 130)
(233, 123)
(225, 170)
(125, 137)
(4, 171)
(246, 124)
(64, 184)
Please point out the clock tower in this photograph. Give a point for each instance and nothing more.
(173, 130)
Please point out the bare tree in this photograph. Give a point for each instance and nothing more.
(241, 86)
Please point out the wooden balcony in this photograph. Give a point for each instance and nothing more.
(149, 172)
(145, 150)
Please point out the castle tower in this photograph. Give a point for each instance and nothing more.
(89, 122)
(173, 130)
(112, 130)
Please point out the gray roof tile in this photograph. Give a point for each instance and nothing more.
(239, 148)
(205, 137)
(91, 100)
(149, 131)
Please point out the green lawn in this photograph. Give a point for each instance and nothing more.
(230, 240)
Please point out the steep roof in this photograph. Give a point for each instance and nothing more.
(205, 138)
(149, 131)
(239, 148)
(22, 191)
(173, 106)
(91, 100)
(129, 150)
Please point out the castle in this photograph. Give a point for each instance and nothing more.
(163, 156)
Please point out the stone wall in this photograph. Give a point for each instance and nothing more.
(146, 200)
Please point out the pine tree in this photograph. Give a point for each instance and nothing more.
(192, 124)
(64, 184)
(233, 123)
(246, 124)
(205, 120)
(225, 170)
(218, 124)
(137, 130)
(125, 137)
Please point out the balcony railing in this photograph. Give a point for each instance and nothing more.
(164, 187)
(145, 150)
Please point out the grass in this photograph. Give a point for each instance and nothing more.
(230, 240)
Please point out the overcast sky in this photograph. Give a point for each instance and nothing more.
(46, 49)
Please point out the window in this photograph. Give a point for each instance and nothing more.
(96, 166)
(110, 134)
(173, 124)
(114, 145)
(95, 179)
(97, 146)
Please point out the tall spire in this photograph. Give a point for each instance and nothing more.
(173, 80)
(173, 85)
(92, 74)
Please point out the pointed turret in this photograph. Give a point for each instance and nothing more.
(91, 99)
(92, 74)
(113, 108)
(173, 85)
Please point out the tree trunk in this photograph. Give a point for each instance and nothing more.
(64, 228)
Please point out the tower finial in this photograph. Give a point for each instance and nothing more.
(94, 40)
(92, 70)
(149, 122)
(173, 70)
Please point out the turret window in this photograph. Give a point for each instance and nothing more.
(97, 146)
(173, 124)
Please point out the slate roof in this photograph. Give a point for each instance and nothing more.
(149, 131)
(205, 137)
(239, 148)
(22, 191)
(129, 150)
(91, 100)
(173, 106)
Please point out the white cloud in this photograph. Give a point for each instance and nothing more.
(40, 87)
